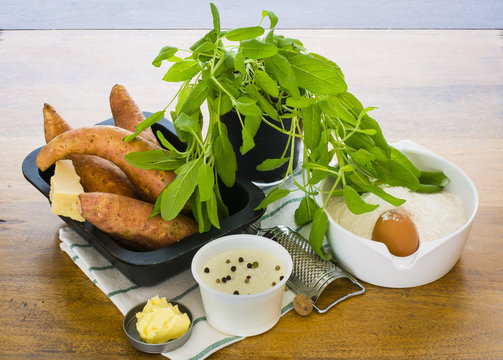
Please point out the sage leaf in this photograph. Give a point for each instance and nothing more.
(212, 210)
(244, 33)
(264, 104)
(273, 195)
(305, 212)
(271, 164)
(376, 190)
(165, 53)
(255, 49)
(145, 124)
(281, 69)
(437, 178)
(239, 62)
(311, 123)
(154, 160)
(317, 233)
(355, 203)
(272, 17)
(181, 71)
(248, 142)
(316, 76)
(300, 103)
(180, 189)
(266, 83)
(195, 98)
(248, 106)
(395, 174)
(205, 181)
(216, 18)
(210, 36)
(225, 158)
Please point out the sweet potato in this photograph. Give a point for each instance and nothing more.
(128, 221)
(127, 114)
(107, 142)
(96, 174)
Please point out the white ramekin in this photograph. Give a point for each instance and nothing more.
(242, 315)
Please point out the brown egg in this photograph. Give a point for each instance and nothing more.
(396, 230)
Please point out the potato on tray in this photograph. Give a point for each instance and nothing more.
(96, 174)
(118, 197)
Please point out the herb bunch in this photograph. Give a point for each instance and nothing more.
(266, 78)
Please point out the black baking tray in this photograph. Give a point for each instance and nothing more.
(148, 268)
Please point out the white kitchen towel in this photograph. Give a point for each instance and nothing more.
(182, 287)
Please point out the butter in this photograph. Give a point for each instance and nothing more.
(160, 321)
(65, 190)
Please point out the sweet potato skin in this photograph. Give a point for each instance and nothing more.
(128, 221)
(54, 124)
(107, 142)
(96, 174)
(127, 114)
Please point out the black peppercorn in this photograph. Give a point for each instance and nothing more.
(224, 279)
(233, 268)
(241, 259)
(236, 292)
(249, 265)
(206, 269)
(228, 277)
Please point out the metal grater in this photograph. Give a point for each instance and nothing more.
(311, 274)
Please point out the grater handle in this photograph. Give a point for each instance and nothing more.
(336, 301)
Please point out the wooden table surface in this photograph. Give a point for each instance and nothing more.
(440, 88)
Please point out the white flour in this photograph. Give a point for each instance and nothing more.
(435, 215)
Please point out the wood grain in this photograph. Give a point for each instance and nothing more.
(441, 89)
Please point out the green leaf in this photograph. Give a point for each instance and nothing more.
(216, 18)
(355, 203)
(302, 102)
(311, 122)
(280, 68)
(266, 83)
(195, 98)
(271, 164)
(264, 104)
(252, 123)
(210, 36)
(305, 212)
(315, 75)
(239, 62)
(376, 190)
(248, 142)
(212, 209)
(437, 178)
(397, 155)
(248, 106)
(200, 212)
(154, 160)
(186, 123)
(165, 53)
(225, 158)
(145, 124)
(329, 62)
(244, 33)
(317, 234)
(273, 195)
(180, 189)
(255, 49)
(272, 16)
(181, 71)
(395, 174)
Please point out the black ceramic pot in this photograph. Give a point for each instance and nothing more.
(269, 143)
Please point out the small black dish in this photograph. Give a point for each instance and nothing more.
(129, 327)
(151, 267)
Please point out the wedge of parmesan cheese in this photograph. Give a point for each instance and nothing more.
(65, 190)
